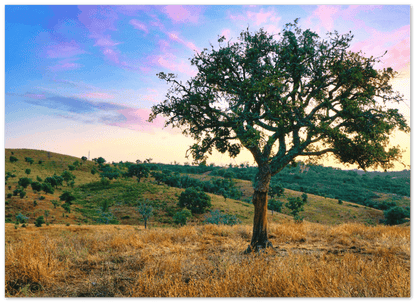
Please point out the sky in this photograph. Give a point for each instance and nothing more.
(81, 80)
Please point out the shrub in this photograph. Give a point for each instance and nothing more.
(295, 205)
(181, 217)
(67, 197)
(36, 186)
(35, 203)
(276, 189)
(29, 160)
(9, 195)
(22, 194)
(39, 221)
(21, 218)
(55, 203)
(305, 198)
(216, 217)
(24, 182)
(340, 202)
(395, 215)
(47, 188)
(146, 211)
(275, 205)
(28, 171)
(71, 167)
(13, 159)
(195, 200)
(39, 179)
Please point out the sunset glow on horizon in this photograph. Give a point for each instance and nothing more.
(82, 79)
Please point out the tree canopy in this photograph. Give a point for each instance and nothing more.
(297, 96)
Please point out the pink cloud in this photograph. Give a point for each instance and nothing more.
(96, 95)
(111, 55)
(105, 41)
(136, 119)
(326, 16)
(226, 33)
(64, 50)
(179, 13)
(168, 61)
(263, 17)
(139, 25)
(396, 43)
(175, 37)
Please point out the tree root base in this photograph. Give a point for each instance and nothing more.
(259, 247)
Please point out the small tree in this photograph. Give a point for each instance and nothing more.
(83, 158)
(275, 205)
(29, 160)
(100, 161)
(27, 171)
(195, 200)
(47, 188)
(24, 182)
(71, 167)
(36, 186)
(139, 171)
(276, 189)
(13, 159)
(181, 217)
(305, 198)
(21, 218)
(39, 179)
(68, 177)
(67, 197)
(395, 215)
(55, 203)
(146, 211)
(217, 217)
(66, 207)
(39, 221)
(47, 212)
(296, 206)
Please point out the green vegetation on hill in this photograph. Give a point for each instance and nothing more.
(107, 193)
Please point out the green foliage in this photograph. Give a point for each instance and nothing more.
(66, 207)
(9, 195)
(396, 215)
(68, 176)
(55, 203)
(139, 171)
(275, 205)
(217, 217)
(110, 172)
(195, 200)
(21, 218)
(181, 217)
(305, 198)
(83, 158)
(28, 171)
(68, 197)
(39, 221)
(24, 182)
(22, 194)
(29, 160)
(295, 205)
(47, 188)
(39, 179)
(71, 167)
(55, 180)
(146, 211)
(13, 159)
(340, 202)
(276, 189)
(36, 186)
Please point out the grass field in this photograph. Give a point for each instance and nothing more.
(311, 260)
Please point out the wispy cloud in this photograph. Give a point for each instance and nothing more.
(64, 65)
(184, 14)
(64, 49)
(139, 25)
(136, 119)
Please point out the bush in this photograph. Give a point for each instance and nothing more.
(195, 200)
(47, 188)
(216, 217)
(39, 221)
(28, 171)
(395, 215)
(9, 195)
(22, 194)
(181, 217)
(295, 205)
(340, 202)
(275, 205)
(36, 186)
(24, 182)
(13, 159)
(21, 218)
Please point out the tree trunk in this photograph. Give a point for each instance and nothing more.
(260, 239)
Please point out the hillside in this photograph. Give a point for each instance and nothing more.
(123, 194)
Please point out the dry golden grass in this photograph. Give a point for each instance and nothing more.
(310, 260)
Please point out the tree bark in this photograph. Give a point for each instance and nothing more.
(260, 238)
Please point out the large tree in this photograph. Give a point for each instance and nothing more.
(298, 95)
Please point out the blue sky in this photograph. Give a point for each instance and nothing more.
(83, 78)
